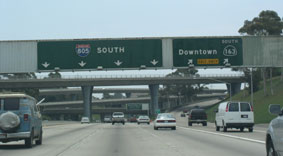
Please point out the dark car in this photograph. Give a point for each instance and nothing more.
(197, 116)
(133, 119)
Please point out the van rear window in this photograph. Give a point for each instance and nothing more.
(12, 104)
(234, 107)
(245, 107)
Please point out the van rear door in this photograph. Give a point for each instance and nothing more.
(247, 115)
(234, 114)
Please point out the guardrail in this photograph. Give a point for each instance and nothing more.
(124, 76)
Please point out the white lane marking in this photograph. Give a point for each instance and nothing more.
(259, 131)
(225, 135)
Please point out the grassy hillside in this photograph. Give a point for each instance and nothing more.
(261, 102)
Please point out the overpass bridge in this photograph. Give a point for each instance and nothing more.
(75, 82)
(68, 91)
(88, 83)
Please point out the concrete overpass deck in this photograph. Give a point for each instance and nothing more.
(51, 82)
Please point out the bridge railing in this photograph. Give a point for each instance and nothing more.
(40, 77)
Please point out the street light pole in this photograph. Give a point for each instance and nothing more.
(252, 87)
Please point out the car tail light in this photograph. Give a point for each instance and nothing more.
(227, 108)
(25, 117)
(171, 120)
(159, 121)
(252, 108)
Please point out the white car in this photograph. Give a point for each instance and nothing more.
(107, 119)
(165, 120)
(85, 120)
(143, 119)
(234, 114)
(274, 136)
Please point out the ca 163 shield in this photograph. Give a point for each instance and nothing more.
(82, 49)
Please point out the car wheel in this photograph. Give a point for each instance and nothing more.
(241, 129)
(204, 124)
(224, 129)
(173, 128)
(251, 129)
(112, 123)
(190, 124)
(217, 128)
(39, 141)
(138, 123)
(270, 149)
(29, 141)
(123, 123)
(148, 123)
(155, 128)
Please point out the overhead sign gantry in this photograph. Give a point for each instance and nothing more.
(140, 53)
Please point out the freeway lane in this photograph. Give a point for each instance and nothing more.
(131, 140)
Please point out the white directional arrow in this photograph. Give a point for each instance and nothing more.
(226, 61)
(190, 61)
(154, 62)
(118, 63)
(82, 63)
(45, 64)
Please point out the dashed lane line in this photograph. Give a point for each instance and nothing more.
(225, 135)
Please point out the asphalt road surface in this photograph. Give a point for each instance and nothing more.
(138, 140)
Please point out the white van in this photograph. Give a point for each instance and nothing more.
(234, 114)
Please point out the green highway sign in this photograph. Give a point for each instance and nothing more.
(92, 54)
(207, 52)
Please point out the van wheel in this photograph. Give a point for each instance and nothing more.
(39, 141)
(251, 129)
(224, 129)
(29, 141)
(217, 127)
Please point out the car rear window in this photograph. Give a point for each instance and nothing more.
(245, 107)
(234, 107)
(118, 114)
(198, 112)
(12, 104)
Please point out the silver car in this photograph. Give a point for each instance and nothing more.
(274, 136)
(165, 120)
(143, 119)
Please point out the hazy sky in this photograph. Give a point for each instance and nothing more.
(67, 19)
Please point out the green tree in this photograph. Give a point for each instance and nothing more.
(267, 23)
(188, 90)
(29, 91)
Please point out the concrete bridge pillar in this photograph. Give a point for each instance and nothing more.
(87, 100)
(154, 99)
(235, 88)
